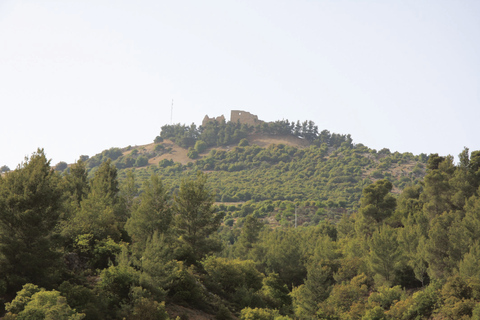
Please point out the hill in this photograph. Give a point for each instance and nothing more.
(276, 165)
(277, 244)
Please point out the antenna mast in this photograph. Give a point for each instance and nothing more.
(171, 114)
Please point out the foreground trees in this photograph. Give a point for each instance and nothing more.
(152, 215)
(30, 206)
(105, 251)
(196, 220)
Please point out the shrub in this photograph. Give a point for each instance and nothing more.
(37, 303)
(258, 314)
(243, 143)
(192, 153)
(200, 146)
(22, 299)
(141, 161)
(61, 166)
(376, 313)
(229, 222)
(145, 308)
(235, 280)
(115, 284)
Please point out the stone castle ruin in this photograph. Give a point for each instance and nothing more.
(207, 119)
(241, 116)
(244, 117)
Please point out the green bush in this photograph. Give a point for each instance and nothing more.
(376, 313)
(200, 146)
(192, 153)
(141, 161)
(61, 166)
(258, 314)
(36, 303)
(235, 280)
(243, 143)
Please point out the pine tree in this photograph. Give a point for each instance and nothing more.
(30, 205)
(153, 213)
(384, 252)
(196, 219)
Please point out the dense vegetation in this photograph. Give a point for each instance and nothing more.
(216, 133)
(323, 179)
(81, 243)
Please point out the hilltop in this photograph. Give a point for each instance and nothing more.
(273, 221)
(267, 168)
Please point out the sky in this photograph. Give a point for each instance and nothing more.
(79, 77)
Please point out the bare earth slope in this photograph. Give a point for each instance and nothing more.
(179, 154)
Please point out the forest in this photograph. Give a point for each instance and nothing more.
(380, 235)
(324, 177)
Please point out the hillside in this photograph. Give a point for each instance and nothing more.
(179, 154)
(267, 167)
(308, 226)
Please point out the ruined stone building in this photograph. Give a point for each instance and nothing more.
(241, 116)
(244, 117)
(207, 119)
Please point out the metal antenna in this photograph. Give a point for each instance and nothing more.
(171, 114)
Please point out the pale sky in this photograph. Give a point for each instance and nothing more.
(78, 77)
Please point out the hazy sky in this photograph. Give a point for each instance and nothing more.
(78, 77)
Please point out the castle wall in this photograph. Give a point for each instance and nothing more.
(244, 117)
(241, 116)
(218, 119)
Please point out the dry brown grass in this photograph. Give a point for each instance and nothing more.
(179, 154)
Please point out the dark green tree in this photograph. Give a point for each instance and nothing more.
(384, 252)
(276, 294)
(141, 161)
(192, 153)
(196, 219)
(101, 212)
(376, 205)
(200, 146)
(462, 181)
(30, 205)
(281, 251)
(317, 287)
(438, 247)
(105, 183)
(98, 222)
(76, 182)
(437, 193)
(129, 191)
(249, 235)
(408, 203)
(153, 213)
(62, 165)
(411, 239)
(377, 202)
